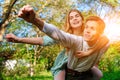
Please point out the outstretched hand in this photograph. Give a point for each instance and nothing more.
(27, 13)
(11, 38)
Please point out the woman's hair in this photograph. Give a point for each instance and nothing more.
(67, 26)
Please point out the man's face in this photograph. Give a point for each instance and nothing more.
(90, 31)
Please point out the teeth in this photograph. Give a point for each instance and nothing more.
(76, 23)
(87, 35)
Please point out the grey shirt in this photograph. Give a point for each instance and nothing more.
(74, 43)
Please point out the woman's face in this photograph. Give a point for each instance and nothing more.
(75, 19)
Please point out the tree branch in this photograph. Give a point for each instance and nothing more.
(6, 16)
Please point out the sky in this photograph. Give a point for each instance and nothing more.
(1, 1)
(0, 11)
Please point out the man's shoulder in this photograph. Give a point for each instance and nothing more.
(105, 48)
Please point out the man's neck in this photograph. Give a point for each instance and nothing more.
(93, 43)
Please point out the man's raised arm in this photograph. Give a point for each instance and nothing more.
(28, 14)
(67, 40)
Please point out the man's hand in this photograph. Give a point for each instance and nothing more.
(11, 37)
(27, 13)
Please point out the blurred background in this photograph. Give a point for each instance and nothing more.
(33, 62)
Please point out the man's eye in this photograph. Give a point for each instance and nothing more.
(86, 26)
(92, 28)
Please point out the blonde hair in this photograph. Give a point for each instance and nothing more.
(67, 26)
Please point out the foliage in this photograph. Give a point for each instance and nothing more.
(44, 75)
(4, 55)
(42, 58)
(19, 71)
(113, 3)
(49, 54)
(111, 75)
(110, 63)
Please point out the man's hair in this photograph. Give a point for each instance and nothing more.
(99, 21)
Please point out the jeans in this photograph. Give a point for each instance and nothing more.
(74, 75)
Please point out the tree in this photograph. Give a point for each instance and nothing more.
(5, 17)
(19, 27)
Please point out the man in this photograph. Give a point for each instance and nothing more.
(77, 68)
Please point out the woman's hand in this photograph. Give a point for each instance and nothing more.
(11, 37)
(81, 54)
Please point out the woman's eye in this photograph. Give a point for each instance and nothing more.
(77, 15)
(71, 18)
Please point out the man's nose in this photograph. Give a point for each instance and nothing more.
(88, 31)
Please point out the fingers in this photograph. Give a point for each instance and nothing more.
(9, 36)
(79, 52)
(25, 10)
(28, 8)
(78, 55)
(22, 13)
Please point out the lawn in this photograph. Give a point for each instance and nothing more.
(47, 76)
(41, 76)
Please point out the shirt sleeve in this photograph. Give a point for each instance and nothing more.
(47, 41)
(104, 49)
(66, 39)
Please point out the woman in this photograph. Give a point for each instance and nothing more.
(74, 24)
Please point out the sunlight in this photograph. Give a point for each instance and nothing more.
(112, 31)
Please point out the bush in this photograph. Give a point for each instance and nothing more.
(110, 63)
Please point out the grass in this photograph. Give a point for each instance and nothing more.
(41, 76)
(45, 75)
(111, 75)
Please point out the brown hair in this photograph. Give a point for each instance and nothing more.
(67, 26)
(99, 21)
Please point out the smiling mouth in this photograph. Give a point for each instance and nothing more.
(86, 35)
(76, 22)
